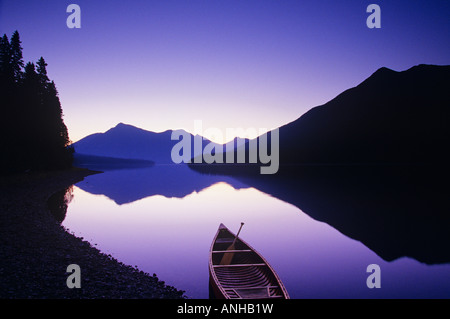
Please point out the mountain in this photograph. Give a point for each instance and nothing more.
(128, 142)
(390, 118)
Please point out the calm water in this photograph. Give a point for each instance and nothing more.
(170, 234)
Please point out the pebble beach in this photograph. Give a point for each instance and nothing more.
(35, 250)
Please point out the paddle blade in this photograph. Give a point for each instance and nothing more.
(227, 257)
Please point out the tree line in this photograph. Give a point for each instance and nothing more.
(33, 135)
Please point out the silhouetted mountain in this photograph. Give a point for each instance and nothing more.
(127, 141)
(391, 117)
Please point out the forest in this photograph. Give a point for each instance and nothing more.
(33, 135)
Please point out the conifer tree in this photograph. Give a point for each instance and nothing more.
(7, 102)
(17, 63)
(32, 130)
(42, 72)
(5, 60)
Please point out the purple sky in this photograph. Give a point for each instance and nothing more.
(250, 63)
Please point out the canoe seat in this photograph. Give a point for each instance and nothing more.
(224, 240)
(238, 265)
(232, 251)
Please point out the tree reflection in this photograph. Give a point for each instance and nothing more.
(59, 202)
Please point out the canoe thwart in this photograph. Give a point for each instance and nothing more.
(239, 265)
(232, 251)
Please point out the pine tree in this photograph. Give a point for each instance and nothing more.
(17, 63)
(5, 60)
(8, 103)
(42, 72)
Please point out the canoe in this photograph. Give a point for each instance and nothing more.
(245, 274)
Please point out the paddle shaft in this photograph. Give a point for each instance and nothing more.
(235, 238)
(227, 257)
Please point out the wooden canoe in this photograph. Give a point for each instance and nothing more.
(247, 276)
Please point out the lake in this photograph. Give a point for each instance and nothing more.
(163, 221)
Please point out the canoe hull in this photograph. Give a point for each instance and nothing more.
(215, 290)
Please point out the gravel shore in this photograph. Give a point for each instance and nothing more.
(35, 249)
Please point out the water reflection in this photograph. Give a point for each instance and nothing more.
(58, 203)
(395, 211)
(171, 235)
(127, 186)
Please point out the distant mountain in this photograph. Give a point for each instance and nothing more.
(129, 142)
(390, 118)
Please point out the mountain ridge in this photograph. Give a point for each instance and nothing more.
(392, 117)
(125, 141)
(395, 105)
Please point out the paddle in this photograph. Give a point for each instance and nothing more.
(227, 257)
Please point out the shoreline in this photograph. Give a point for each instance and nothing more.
(35, 249)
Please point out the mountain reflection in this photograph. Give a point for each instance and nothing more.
(397, 211)
(394, 211)
(129, 185)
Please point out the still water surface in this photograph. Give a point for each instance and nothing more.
(171, 236)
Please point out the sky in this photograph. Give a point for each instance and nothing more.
(260, 64)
